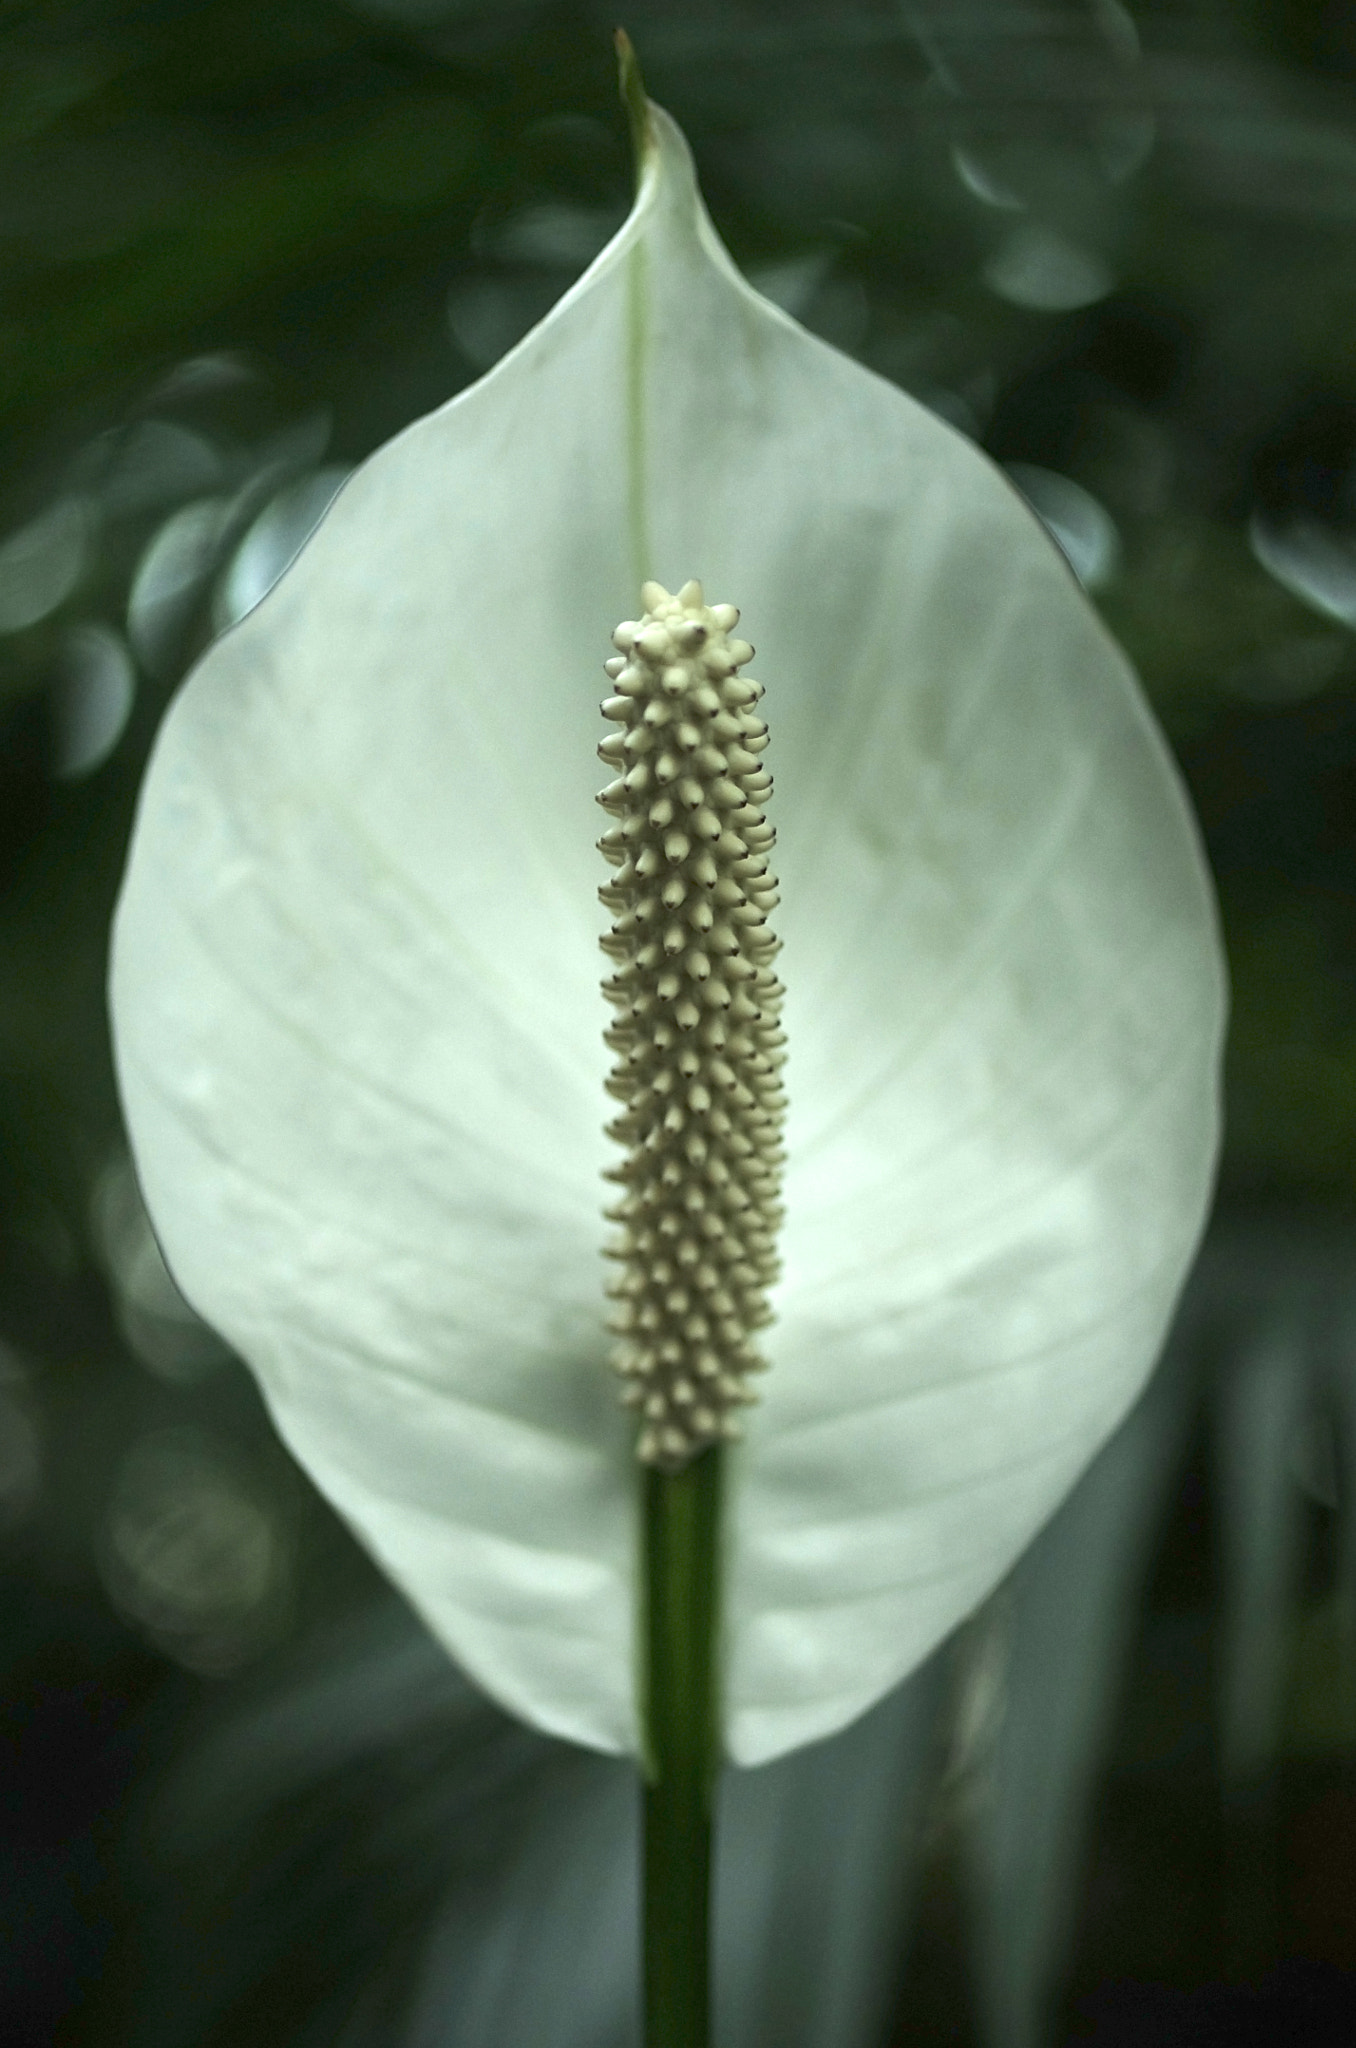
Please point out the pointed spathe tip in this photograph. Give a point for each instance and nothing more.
(636, 102)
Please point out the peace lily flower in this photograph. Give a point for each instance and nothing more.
(356, 999)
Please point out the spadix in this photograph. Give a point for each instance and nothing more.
(697, 1031)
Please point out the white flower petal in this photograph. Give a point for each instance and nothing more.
(359, 1029)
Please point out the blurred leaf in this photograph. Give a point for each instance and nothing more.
(1066, 1619)
(1262, 1398)
(382, 1858)
(280, 221)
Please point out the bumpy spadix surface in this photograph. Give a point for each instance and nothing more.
(358, 1022)
(697, 1030)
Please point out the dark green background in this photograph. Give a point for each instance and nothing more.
(284, 231)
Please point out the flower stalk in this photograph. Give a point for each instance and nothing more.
(681, 1708)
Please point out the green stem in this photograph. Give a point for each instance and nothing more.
(682, 1579)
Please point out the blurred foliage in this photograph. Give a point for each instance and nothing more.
(242, 245)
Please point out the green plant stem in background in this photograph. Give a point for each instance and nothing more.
(682, 1730)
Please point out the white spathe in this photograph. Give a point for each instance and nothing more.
(358, 1024)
